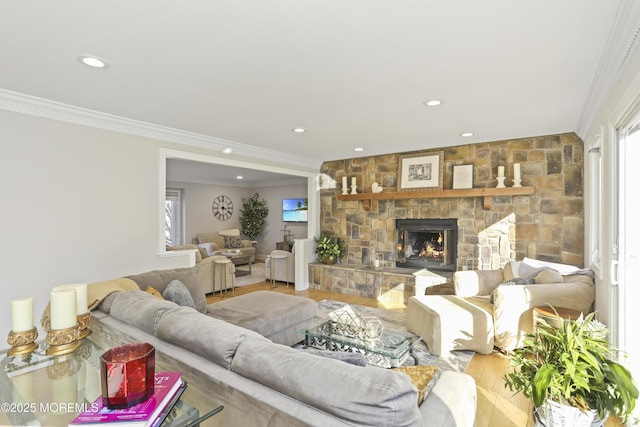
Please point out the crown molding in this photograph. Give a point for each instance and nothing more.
(622, 41)
(34, 106)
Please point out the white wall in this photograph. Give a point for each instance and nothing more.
(80, 204)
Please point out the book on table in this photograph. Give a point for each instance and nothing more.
(167, 390)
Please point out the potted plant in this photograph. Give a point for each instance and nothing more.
(253, 216)
(571, 374)
(329, 248)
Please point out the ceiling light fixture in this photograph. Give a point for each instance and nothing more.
(358, 149)
(433, 103)
(299, 130)
(93, 61)
(227, 150)
(466, 134)
(239, 177)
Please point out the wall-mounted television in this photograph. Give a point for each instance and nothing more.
(294, 210)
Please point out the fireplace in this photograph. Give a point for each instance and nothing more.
(427, 243)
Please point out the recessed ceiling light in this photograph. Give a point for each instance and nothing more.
(466, 134)
(358, 149)
(93, 61)
(227, 150)
(239, 177)
(298, 130)
(433, 103)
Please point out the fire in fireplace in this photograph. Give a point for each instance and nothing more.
(427, 243)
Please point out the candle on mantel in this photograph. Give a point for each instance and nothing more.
(344, 182)
(516, 171)
(63, 309)
(81, 296)
(353, 181)
(22, 314)
(500, 171)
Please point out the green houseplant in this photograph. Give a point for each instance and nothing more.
(253, 216)
(329, 248)
(572, 366)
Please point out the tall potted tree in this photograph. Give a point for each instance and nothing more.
(253, 216)
(571, 374)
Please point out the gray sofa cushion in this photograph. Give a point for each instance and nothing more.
(213, 339)
(271, 314)
(364, 396)
(140, 309)
(344, 356)
(191, 277)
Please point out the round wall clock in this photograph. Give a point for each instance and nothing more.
(222, 208)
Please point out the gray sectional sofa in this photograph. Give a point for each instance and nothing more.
(264, 383)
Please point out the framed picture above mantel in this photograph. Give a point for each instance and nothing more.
(421, 171)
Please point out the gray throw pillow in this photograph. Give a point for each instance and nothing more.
(232, 242)
(178, 293)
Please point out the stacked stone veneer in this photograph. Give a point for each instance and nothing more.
(547, 225)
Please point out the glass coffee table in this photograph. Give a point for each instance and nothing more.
(390, 350)
(38, 389)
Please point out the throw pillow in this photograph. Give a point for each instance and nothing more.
(232, 242)
(177, 292)
(153, 291)
(203, 252)
(549, 276)
(422, 378)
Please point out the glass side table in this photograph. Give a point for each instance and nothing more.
(38, 389)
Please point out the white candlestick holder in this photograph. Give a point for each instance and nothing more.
(516, 183)
(353, 189)
(500, 182)
(345, 190)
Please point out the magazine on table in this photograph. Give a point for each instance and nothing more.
(167, 390)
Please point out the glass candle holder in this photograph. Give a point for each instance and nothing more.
(127, 375)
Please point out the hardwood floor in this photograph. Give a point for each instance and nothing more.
(497, 406)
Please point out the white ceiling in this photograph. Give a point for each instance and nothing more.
(353, 73)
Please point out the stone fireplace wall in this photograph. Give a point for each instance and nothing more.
(547, 225)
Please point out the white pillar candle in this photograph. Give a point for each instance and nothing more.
(63, 309)
(500, 171)
(516, 171)
(344, 182)
(353, 180)
(22, 314)
(81, 296)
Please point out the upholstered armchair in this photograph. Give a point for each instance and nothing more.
(225, 241)
(280, 266)
(510, 294)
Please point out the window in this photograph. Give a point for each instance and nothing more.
(173, 224)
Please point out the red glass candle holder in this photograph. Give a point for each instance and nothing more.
(127, 374)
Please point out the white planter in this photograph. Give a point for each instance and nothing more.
(554, 414)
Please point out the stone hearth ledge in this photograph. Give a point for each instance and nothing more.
(390, 284)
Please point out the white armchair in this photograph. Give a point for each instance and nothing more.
(511, 306)
(279, 266)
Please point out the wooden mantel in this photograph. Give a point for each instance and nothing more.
(487, 193)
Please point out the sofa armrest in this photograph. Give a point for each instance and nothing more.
(452, 402)
(476, 282)
(513, 316)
